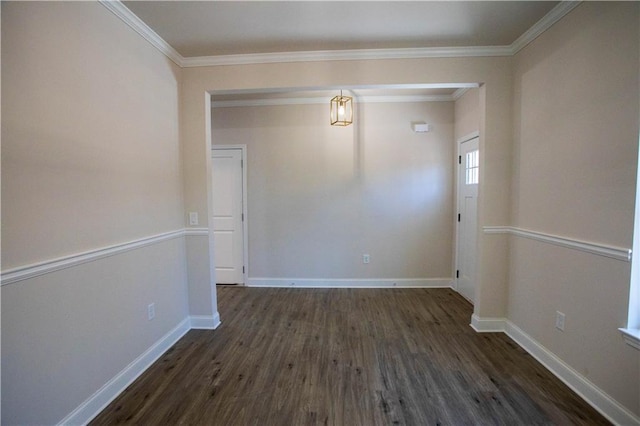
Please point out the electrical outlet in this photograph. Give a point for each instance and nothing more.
(193, 218)
(151, 311)
(559, 320)
(366, 258)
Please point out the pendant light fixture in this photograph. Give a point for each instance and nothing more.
(341, 111)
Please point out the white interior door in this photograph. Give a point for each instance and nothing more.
(227, 198)
(468, 178)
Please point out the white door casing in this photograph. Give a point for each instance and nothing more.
(228, 215)
(468, 179)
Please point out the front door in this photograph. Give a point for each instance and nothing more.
(468, 178)
(228, 236)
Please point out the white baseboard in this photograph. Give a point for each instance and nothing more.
(351, 283)
(488, 325)
(205, 322)
(114, 387)
(594, 396)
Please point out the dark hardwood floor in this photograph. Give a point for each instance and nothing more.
(346, 357)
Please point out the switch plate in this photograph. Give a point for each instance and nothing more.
(366, 258)
(193, 218)
(559, 320)
(151, 311)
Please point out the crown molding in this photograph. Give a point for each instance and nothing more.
(547, 21)
(458, 93)
(129, 18)
(408, 98)
(347, 55)
(325, 100)
(122, 12)
(268, 102)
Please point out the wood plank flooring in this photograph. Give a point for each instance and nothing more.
(346, 357)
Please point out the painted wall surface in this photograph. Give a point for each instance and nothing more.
(200, 301)
(495, 94)
(467, 114)
(67, 333)
(90, 155)
(90, 158)
(576, 139)
(321, 196)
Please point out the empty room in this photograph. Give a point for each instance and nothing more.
(342, 213)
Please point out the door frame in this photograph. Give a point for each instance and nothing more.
(245, 226)
(457, 166)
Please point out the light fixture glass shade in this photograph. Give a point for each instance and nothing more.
(341, 111)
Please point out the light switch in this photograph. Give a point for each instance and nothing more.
(193, 218)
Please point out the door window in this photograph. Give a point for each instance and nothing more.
(471, 168)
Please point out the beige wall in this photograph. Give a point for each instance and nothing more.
(495, 128)
(67, 333)
(90, 158)
(91, 155)
(467, 114)
(199, 287)
(576, 142)
(320, 196)
(576, 126)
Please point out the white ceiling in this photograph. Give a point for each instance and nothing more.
(210, 28)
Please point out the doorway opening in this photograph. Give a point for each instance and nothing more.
(229, 216)
(467, 216)
(290, 102)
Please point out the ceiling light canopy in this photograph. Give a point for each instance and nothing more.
(341, 110)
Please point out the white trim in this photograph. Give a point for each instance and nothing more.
(488, 325)
(459, 93)
(351, 87)
(347, 55)
(267, 102)
(205, 322)
(633, 308)
(596, 397)
(547, 21)
(618, 253)
(97, 402)
(325, 100)
(408, 98)
(631, 336)
(351, 283)
(21, 273)
(196, 232)
(466, 138)
(129, 18)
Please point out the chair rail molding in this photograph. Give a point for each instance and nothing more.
(618, 253)
(25, 272)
